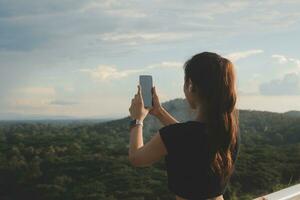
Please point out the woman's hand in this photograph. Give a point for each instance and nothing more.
(137, 109)
(157, 108)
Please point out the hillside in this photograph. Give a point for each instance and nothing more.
(293, 113)
(90, 160)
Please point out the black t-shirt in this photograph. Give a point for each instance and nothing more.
(189, 174)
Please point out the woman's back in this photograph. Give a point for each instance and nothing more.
(200, 155)
(187, 162)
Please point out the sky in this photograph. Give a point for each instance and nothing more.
(83, 58)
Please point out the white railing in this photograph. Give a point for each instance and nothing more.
(290, 193)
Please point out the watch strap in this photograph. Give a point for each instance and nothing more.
(135, 122)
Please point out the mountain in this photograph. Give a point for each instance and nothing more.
(258, 121)
(53, 161)
(293, 113)
(50, 118)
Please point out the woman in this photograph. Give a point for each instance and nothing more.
(200, 154)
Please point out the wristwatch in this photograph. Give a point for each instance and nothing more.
(135, 122)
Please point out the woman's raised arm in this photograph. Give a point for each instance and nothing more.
(158, 111)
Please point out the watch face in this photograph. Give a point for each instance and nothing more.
(132, 122)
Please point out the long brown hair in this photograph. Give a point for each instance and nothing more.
(214, 79)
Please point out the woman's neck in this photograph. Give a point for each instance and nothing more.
(201, 117)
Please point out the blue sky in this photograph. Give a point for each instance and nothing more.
(83, 58)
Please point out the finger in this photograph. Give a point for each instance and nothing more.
(141, 99)
(139, 91)
(133, 102)
(154, 91)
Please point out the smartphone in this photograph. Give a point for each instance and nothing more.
(146, 89)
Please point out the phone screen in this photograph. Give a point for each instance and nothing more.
(146, 89)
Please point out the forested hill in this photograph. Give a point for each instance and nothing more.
(294, 113)
(90, 160)
(259, 127)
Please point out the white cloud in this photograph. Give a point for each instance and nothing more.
(31, 98)
(211, 10)
(288, 85)
(36, 91)
(114, 8)
(116, 31)
(291, 65)
(29, 103)
(137, 37)
(69, 88)
(284, 59)
(243, 54)
(166, 64)
(280, 58)
(271, 103)
(132, 13)
(296, 61)
(94, 5)
(108, 72)
(63, 103)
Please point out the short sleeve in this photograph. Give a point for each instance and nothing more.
(170, 136)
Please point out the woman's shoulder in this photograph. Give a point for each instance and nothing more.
(189, 123)
(193, 122)
(174, 126)
(182, 127)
